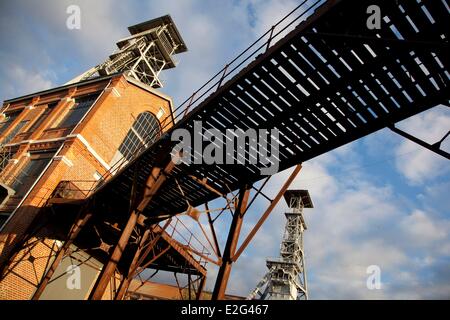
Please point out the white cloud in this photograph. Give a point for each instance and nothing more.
(355, 223)
(423, 230)
(267, 13)
(20, 81)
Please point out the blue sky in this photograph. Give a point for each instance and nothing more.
(378, 201)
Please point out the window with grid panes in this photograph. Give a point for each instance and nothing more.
(17, 129)
(42, 117)
(28, 175)
(77, 111)
(144, 131)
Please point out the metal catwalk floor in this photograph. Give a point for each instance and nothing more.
(328, 82)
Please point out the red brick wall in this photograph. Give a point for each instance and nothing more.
(104, 128)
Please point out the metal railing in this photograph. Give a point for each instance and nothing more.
(74, 189)
(288, 23)
(80, 189)
(177, 230)
(258, 47)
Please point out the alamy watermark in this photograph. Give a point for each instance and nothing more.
(374, 279)
(374, 20)
(73, 281)
(73, 21)
(231, 146)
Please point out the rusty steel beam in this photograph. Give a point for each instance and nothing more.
(201, 286)
(213, 231)
(207, 239)
(108, 270)
(203, 182)
(230, 248)
(180, 290)
(190, 249)
(149, 247)
(189, 285)
(156, 257)
(127, 278)
(154, 182)
(75, 230)
(267, 212)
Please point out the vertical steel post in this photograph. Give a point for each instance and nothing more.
(230, 248)
(128, 277)
(223, 76)
(267, 212)
(189, 105)
(213, 231)
(270, 38)
(201, 286)
(108, 269)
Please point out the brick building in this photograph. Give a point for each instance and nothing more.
(71, 139)
(73, 133)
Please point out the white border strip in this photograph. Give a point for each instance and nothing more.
(90, 149)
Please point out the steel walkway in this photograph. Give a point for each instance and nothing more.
(328, 82)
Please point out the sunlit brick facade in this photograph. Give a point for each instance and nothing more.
(73, 133)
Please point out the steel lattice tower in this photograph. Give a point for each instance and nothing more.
(143, 55)
(286, 278)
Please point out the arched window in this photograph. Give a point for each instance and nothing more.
(143, 132)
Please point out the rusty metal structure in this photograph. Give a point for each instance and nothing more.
(319, 76)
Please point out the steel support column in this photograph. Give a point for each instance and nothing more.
(108, 270)
(201, 286)
(267, 212)
(230, 248)
(213, 232)
(138, 258)
(128, 277)
(154, 182)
